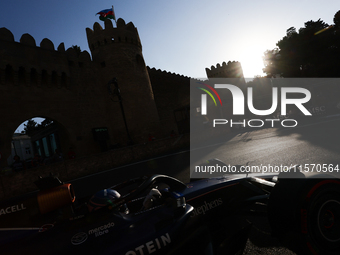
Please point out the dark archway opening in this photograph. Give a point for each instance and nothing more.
(35, 142)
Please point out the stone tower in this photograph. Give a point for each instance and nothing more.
(117, 53)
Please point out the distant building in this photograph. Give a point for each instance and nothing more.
(45, 141)
(21, 146)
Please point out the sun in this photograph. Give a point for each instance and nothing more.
(251, 62)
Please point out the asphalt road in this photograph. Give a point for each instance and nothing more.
(309, 143)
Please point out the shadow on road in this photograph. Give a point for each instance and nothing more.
(321, 133)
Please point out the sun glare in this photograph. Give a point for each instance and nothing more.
(251, 61)
(252, 65)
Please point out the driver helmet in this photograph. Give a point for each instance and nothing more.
(103, 198)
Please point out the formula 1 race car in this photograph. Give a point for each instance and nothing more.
(161, 215)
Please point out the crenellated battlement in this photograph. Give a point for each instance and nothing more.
(164, 73)
(31, 77)
(123, 33)
(25, 63)
(231, 70)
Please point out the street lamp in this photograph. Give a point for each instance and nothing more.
(116, 91)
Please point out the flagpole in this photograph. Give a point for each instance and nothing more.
(114, 15)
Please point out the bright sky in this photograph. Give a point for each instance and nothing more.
(182, 37)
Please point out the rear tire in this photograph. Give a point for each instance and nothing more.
(305, 214)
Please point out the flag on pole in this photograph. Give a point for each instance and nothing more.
(107, 14)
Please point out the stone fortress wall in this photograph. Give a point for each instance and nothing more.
(71, 88)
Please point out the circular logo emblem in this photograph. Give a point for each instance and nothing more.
(79, 238)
